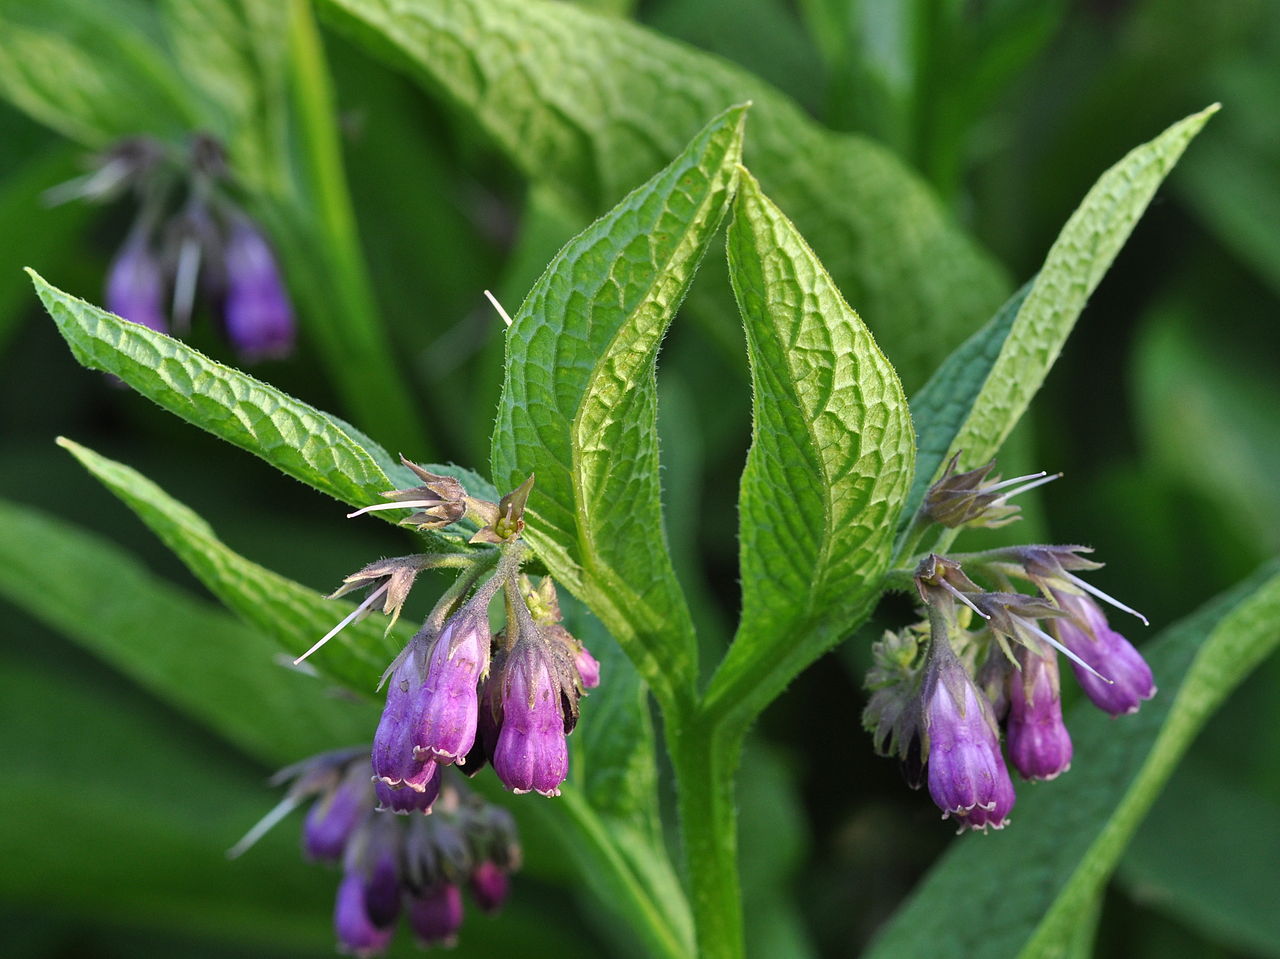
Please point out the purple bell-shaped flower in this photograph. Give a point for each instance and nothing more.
(531, 753)
(357, 934)
(1088, 635)
(136, 285)
(966, 772)
(449, 704)
(436, 914)
(257, 311)
(394, 763)
(335, 816)
(1039, 744)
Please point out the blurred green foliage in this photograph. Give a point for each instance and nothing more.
(1162, 411)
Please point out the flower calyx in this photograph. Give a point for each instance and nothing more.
(975, 498)
(504, 522)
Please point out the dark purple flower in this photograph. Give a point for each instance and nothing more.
(393, 758)
(335, 816)
(1087, 634)
(588, 668)
(357, 934)
(406, 800)
(259, 317)
(1039, 744)
(489, 885)
(967, 775)
(374, 856)
(436, 915)
(531, 754)
(136, 286)
(449, 700)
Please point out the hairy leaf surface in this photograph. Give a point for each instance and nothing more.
(579, 404)
(831, 456)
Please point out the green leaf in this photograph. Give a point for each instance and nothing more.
(286, 611)
(1220, 876)
(188, 653)
(1076, 263)
(592, 105)
(830, 460)
(295, 438)
(1021, 891)
(94, 72)
(579, 403)
(945, 402)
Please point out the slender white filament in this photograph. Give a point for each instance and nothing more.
(358, 611)
(506, 318)
(285, 806)
(406, 504)
(1107, 599)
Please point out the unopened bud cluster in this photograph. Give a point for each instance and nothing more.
(416, 866)
(458, 696)
(190, 241)
(983, 665)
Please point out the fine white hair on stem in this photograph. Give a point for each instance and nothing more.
(506, 317)
(359, 610)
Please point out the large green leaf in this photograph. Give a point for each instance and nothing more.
(1074, 267)
(592, 105)
(1219, 877)
(830, 460)
(185, 651)
(290, 613)
(299, 440)
(579, 404)
(1021, 891)
(92, 71)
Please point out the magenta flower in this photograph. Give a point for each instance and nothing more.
(436, 915)
(259, 317)
(1039, 744)
(532, 754)
(136, 286)
(449, 700)
(1122, 680)
(357, 933)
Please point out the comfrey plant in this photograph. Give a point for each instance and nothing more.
(190, 240)
(848, 492)
(943, 692)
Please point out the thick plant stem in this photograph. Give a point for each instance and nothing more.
(705, 758)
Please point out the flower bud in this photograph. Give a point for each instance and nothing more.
(489, 885)
(967, 775)
(1121, 679)
(436, 915)
(357, 934)
(531, 754)
(449, 703)
(136, 286)
(374, 856)
(259, 317)
(588, 668)
(1039, 744)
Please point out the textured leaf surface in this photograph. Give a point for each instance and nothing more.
(594, 104)
(830, 460)
(290, 613)
(188, 653)
(1021, 891)
(579, 404)
(940, 409)
(1076, 263)
(297, 439)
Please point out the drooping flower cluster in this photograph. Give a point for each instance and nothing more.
(985, 661)
(392, 865)
(189, 241)
(458, 694)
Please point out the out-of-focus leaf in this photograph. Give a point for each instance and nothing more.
(296, 438)
(92, 71)
(284, 610)
(592, 105)
(1209, 414)
(579, 405)
(1218, 877)
(193, 656)
(31, 233)
(830, 461)
(1021, 892)
(1073, 269)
